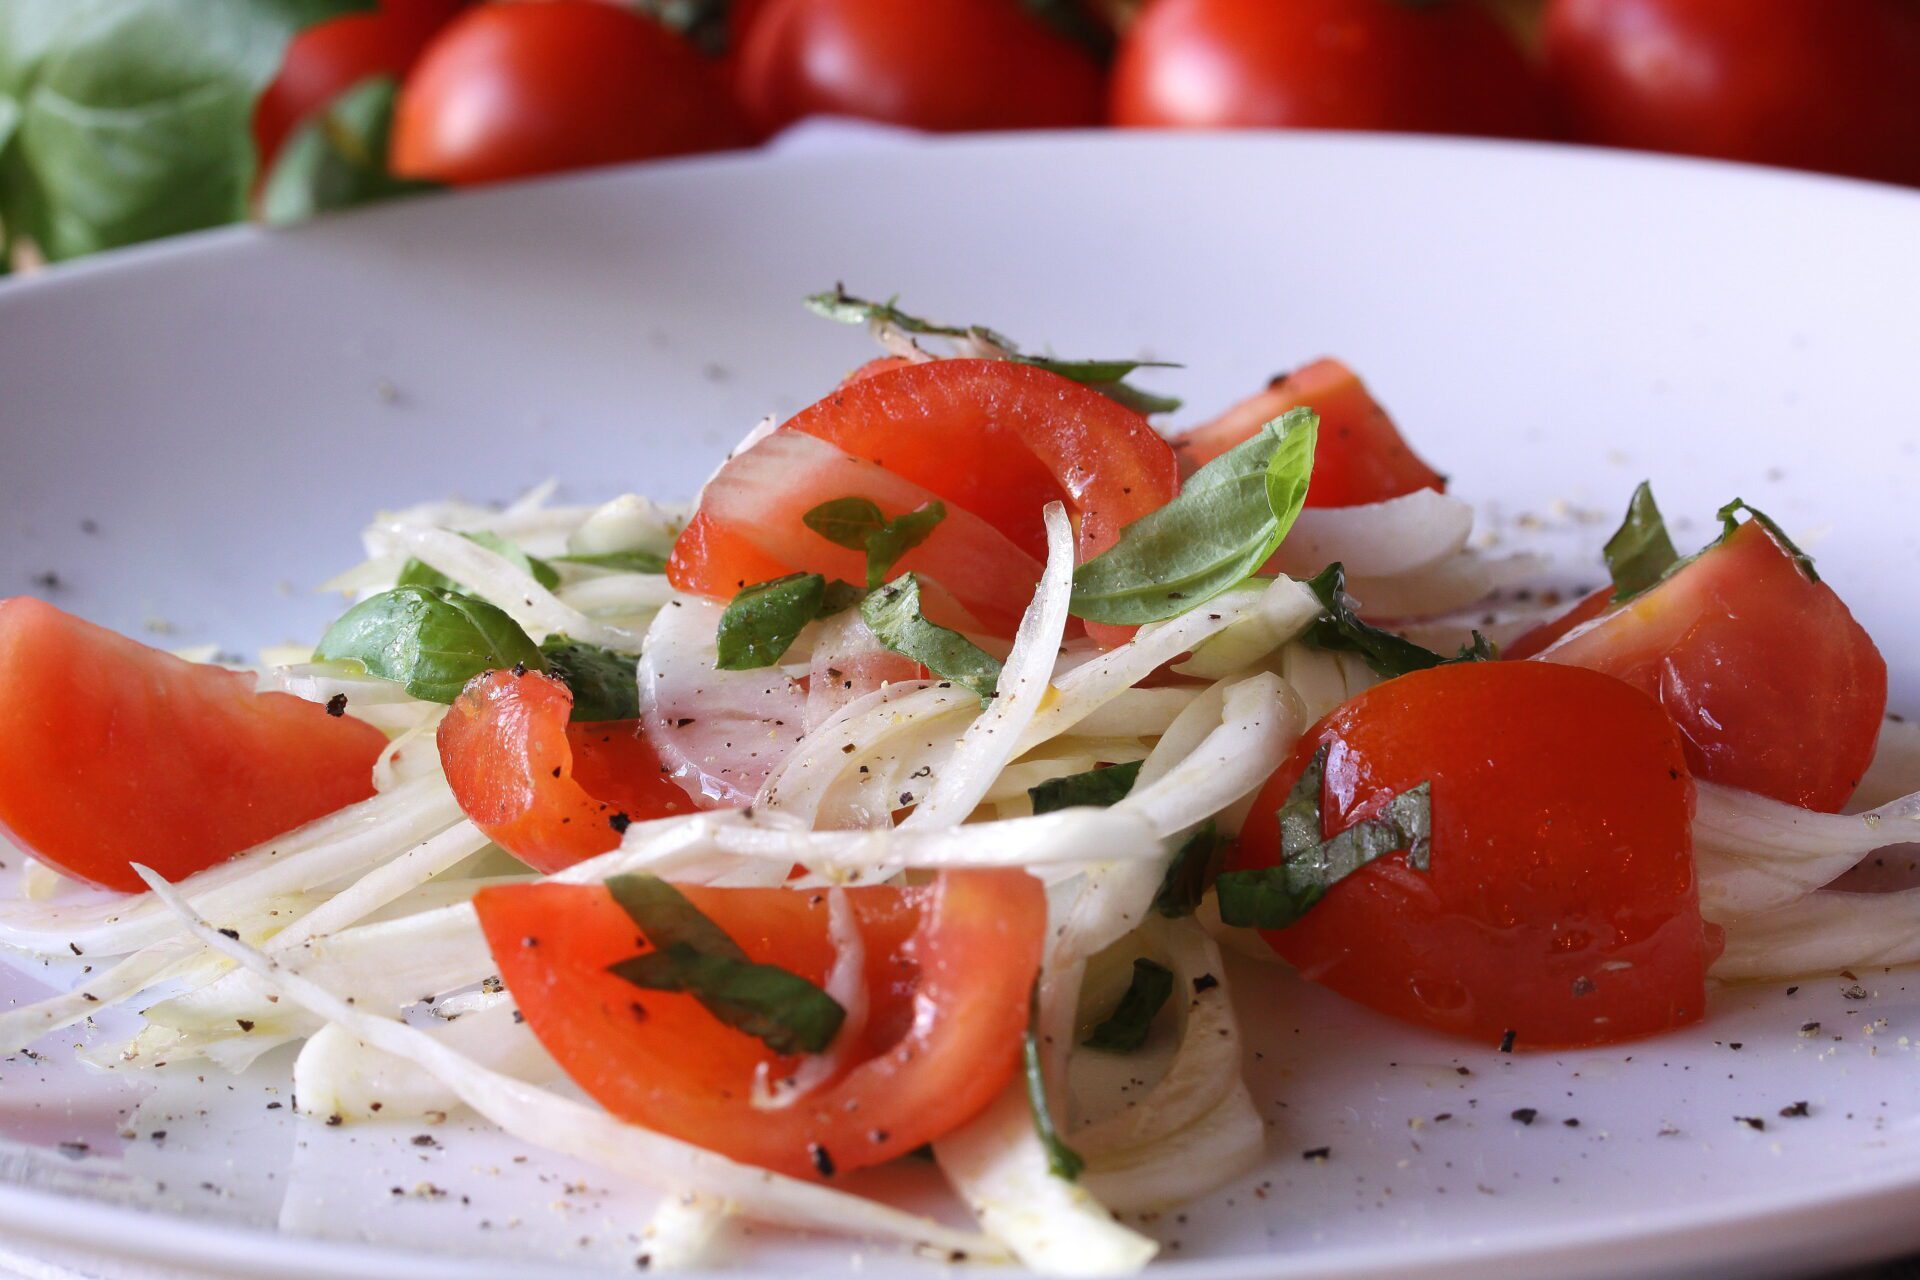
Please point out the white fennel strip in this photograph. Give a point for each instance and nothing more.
(1377, 539)
(1823, 932)
(847, 984)
(866, 732)
(1280, 616)
(1755, 854)
(618, 595)
(337, 1074)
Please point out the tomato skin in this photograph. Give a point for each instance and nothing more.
(543, 789)
(1543, 636)
(513, 90)
(1562, 850)
(1447, 67)
(1814, 84)
(1361, 456)
(1774, 685)
(949, 971)
(113, 753)
(942, 65)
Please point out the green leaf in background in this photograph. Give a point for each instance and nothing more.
(1126, 1028)
(1728, 524)
(1640, 551)
(1191, 873)
(432, 642)
(1231, 515)
(604, 683)
(893, 615)
(1063, 1161)
(762, 622)
(337, 158)
(417, 573)
(1341, 629)
(635, 561)
(124, 120)
(1101, 787)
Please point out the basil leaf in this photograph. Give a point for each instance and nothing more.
(859, 525)
(126, 120)
(840, 595)
(1100, 787)
(1728, 524)
(761, 623)
(1107, 377)
(1191, 873)
(703, 23)
(1275, 897)
(846, 522)
(785, 1011)
(847, 309)
(417, 573)
(604, 684)
(893, 615)
(635, 561)
(337, 158)
(432, 642)
(1063, 1161)
(1342, 630)
(1640, 551)
(1230, 517)
(1126, 1028)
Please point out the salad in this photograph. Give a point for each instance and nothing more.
(886, 801)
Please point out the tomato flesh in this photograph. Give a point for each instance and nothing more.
(1361, 456)
(949, 968)
(549, 792)
(1560, 903)
(112, 753)
(1776, 688)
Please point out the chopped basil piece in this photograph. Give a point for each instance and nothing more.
(893, 615)
(1728, 523)
(860, 525)
(1191, 873)
(430, 641)
(1230, 517)
(1100, 787)
(1126, 1028)
(1341, 629)
(635, 561)
(838, 596)
(417, 573)
(847, 309)
(1062, 1160)
(1106, 377)
(337, 158)
(692, 954)
(604, 684)
(1640, 552)
(762, 622)
(1275, 897)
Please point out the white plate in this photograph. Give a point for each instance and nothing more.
(1549, 326)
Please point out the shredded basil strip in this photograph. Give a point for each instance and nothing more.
(1062, 1160)
(633, 561)
(859, 525)
(417, 573)
(1640, 552)
(1126, 1028)
(604, 683)
(432, 642)
(1341, 629)
(337, 158)
(1100, 787)
(785, 1011)
(1191, 873)
(1728, 524)
(1231, 515)
(893, 615)
(1275, 897)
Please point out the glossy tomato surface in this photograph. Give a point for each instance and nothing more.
(512, 90)
(113, 753)
(943, 65)
(949, 968)
(549, 792)
(1437, 67)
(1560, 903)
(1815, 84)
(1775, 687)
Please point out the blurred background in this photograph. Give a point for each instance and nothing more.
(127, 120)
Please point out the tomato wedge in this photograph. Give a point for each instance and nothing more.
(549, 792)
(1776, 688)
(949, 968)
(1560, 901)
(113, 753)
(1361, 456)
(993, 438)
(1538, 639)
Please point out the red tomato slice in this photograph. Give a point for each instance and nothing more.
(1775, 687)
(113, 753)
(1537, 639)
(879, 364)
(1560, 903)
(991, 437)
(949, 969)
(549, 792)
(1361, 456)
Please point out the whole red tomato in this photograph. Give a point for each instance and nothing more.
(1446, 66)
(1816, 84)
(931, 64)
(329, 58)
(510, 90)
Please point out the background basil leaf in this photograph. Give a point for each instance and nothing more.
(337, 158)
(432, 642)
(893, 615)
(1343, 630)
(860, 525)
(604, 683)
(418, 573)
(762, 621)
(1229, 518)
(1191, 873)
(1640, 551)
(1126, 1028)
(634, 561)
(1100, 787)
(1063, 1161)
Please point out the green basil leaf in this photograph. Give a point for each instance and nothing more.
(432, 642)
(859, 525)
(844, 307)
(1125, 1030)
(1108, 378)
(1076, 21)
(762, 622)
(1341, 629)
(604, 684)
(840, 596)
(1100, 787)
(634, 561)
(1230, 517)
(1640, 551)
(1728, 524)
(893, 615)
(1191, 873)
(1062, 1160)
(846, 522)
(417, 573)
(703, 23)
(337, 158)
(785, 1011)
(1275, 897)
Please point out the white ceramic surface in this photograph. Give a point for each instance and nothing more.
(1548, 325)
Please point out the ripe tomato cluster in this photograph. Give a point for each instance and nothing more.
(511, 88)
